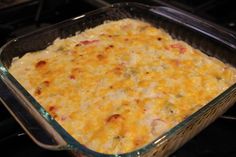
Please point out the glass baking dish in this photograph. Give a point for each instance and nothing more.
(46, 132)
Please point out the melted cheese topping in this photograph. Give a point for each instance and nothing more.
(120, 85)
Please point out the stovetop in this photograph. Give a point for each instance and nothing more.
(18, 17)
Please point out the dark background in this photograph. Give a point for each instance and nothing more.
(18, 17)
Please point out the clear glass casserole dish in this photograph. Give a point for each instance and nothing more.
(46, 132)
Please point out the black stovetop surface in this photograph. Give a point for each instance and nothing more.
(217, 140)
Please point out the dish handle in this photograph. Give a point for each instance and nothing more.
(41, 133)
(206, 27)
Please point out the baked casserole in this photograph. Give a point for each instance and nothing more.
(122, 84)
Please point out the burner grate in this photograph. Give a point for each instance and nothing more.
(10, 3)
